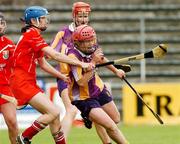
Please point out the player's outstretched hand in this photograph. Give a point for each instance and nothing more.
(88, 66)
(15, 102)
(98, 56)
(65, 78)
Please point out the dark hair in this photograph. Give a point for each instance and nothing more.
(25, 28)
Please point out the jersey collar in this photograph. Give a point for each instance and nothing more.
(82, 54)
(72, 27)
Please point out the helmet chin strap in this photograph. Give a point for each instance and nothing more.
(35, 27)
(77, 22)
(89, 53)
(42, 29)
(1, 34)
(94, 47)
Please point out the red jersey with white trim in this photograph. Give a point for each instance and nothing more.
(28, 50)
(6, 52)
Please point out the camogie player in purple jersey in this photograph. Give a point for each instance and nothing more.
(87, 91)
(62, 43)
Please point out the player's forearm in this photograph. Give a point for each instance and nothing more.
(110, 67)
(49, 69)
(61, 57)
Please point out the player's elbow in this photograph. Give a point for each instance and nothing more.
(50, 52)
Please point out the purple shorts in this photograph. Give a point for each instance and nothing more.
(86, 105)
(61, 85)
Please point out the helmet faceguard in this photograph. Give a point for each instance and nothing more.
(80, 12)
(2, 25)
(37, 13)
(84, 38)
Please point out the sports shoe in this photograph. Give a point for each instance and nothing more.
(21, 140)
(87, 122)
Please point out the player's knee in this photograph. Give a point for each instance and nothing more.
(55, 112)
(12, 124)
(117, 119)
(72, 110)
(111, 128)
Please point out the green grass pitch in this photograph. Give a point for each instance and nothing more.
(161, 134)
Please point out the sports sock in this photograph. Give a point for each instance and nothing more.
(33, 129)
(59, 138)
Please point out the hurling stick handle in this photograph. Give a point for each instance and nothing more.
(9, 99)
(155, 114)
(105, 64)
(119, 61)
(136, 57)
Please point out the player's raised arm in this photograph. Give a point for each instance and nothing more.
(63, 58)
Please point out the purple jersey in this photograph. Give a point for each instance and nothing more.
(92, 89)
(64, 36)
(61, 43)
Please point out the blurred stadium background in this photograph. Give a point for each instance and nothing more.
(124, 28)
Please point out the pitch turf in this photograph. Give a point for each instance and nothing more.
(135, 135)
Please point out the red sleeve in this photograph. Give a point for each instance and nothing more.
(37, 41)
(40, 54)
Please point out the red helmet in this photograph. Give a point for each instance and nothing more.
(83, 32)
(80, 6)
(84, 38)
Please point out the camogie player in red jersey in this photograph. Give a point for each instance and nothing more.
(29, 51)
(7, 109)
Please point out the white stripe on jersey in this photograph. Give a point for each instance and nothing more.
(29, 69)
(6, 47)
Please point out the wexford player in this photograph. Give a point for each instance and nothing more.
(89, 94)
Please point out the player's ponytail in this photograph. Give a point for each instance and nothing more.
(25, 28)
